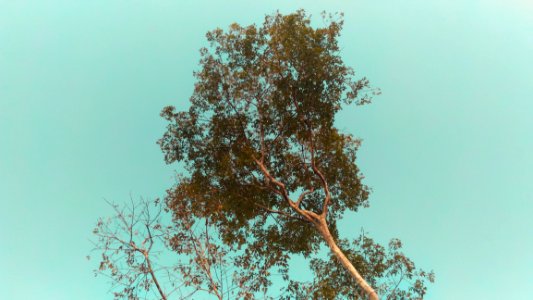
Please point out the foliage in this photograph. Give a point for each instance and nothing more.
(267, 96)
(388, 269)
(267, 174)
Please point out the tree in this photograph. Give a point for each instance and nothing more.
(388, 269)
(264, 161)
(147, 256)
(267, 175)
(127, 241)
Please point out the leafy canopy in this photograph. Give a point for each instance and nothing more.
(268, 96)
(267, 175)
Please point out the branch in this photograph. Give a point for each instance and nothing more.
(397, 284)
(278, 212)
(308, 215)
(154, 278)
(204, 263)
(321, 177)
(261, 132)
(303, 194)
(127, 218)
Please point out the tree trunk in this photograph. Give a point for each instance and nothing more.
(322, 227)
(149, 265)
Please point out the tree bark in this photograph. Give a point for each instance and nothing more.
(322, 227)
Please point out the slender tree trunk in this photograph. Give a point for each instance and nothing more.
(163, 296)
(322, 227)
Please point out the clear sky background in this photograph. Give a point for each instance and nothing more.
(447, 148)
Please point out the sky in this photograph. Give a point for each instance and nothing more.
(447, 148)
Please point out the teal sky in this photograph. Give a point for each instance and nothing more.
(447, 148)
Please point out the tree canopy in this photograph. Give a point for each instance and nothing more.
(259, 138)
(265, 166)
(260, 130)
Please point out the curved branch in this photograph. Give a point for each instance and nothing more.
(322, 178)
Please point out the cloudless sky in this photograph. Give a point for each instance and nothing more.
(447, 148)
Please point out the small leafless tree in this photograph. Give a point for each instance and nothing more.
(149, 256)
(149, 253)
(129, 243)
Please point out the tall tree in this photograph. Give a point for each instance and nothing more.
(264, 161)
(267, 175)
